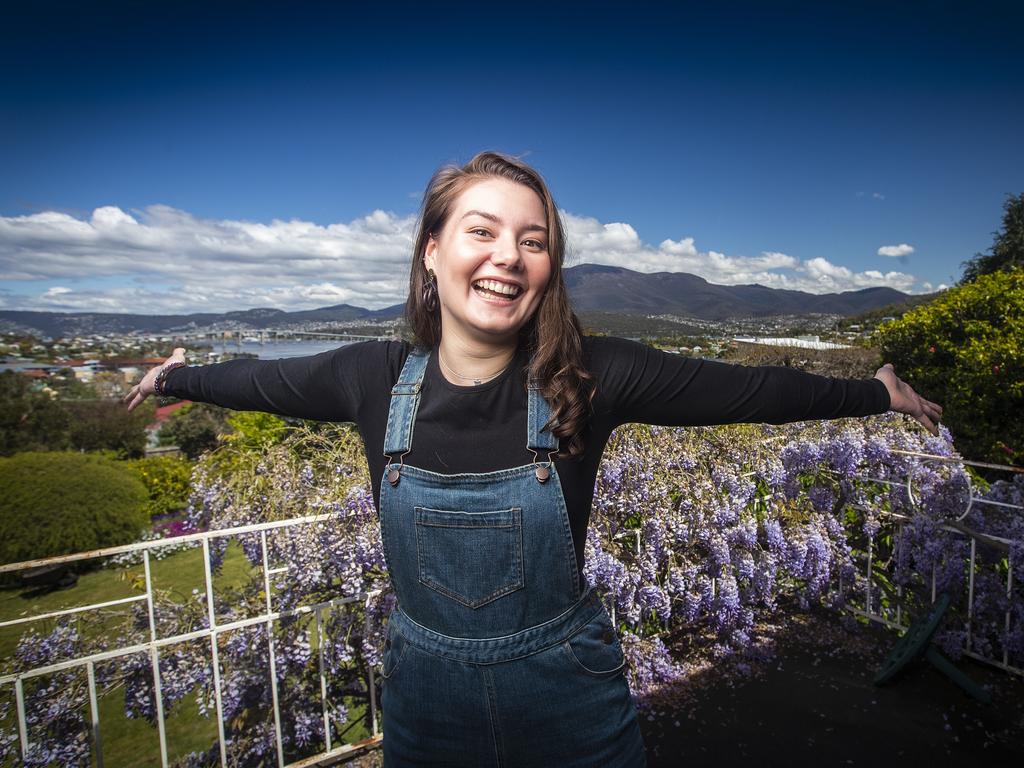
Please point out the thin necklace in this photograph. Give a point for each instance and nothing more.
(474, 379)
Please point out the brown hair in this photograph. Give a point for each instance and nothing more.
(552, 335)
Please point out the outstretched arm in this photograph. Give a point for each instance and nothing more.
(640, 384)
(324, 387)
(903, 399)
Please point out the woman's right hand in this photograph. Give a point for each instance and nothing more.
(144, 388)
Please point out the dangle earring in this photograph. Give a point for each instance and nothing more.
(430, 291)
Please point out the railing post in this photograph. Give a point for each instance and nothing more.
(214, 653)
(899, 587)
(1009, 594)
(272, 653)
(970, 595)
(154, 660)
(323, 678)
(19, 701)
(94, 712)
(373, 689)
(867, 593)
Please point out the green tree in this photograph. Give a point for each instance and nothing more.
(965, 350)
(55, 503)
(195, 428)
(106, 425)
(30, 419)
(1007, 249)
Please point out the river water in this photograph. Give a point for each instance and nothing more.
(273, 350)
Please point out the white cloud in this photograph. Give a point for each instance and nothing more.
(896, 250)
(619, 245)
(218, 265)
(878, 196)
(166, 260)
(829, 277)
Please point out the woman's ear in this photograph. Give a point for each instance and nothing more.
(430, 253)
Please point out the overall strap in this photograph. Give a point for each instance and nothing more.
(538, 414)
(405, 401)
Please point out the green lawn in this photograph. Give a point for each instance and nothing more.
(179, 574)
(136, 742)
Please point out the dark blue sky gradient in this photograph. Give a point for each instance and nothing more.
(748, 126)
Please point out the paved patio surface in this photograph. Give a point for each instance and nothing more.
(816, 704)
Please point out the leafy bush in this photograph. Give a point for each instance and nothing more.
(965, 350)
(195, 428)
(167, 481)
(55, 503)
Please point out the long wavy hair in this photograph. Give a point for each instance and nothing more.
(552, 336)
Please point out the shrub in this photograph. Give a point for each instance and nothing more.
(56, 503)
(167, 481)
(965, 350)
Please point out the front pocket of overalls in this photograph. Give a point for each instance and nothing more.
(595, 649)
(470, 557)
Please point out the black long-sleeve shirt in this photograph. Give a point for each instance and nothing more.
(483, 428)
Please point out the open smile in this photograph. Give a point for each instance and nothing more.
(495, 289)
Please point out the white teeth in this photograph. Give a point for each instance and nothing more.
(496, 287)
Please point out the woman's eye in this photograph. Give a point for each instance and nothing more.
(479, 231)
(534, 244)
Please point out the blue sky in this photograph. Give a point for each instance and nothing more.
(185, 157)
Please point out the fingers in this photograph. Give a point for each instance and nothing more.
(134, 397)
(929, 416)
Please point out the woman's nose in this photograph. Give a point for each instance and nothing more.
(506, 253)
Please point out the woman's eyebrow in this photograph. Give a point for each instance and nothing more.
(497, 220)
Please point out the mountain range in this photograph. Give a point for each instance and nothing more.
(593, 287)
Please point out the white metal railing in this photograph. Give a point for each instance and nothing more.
(154, 644)
(954, 527)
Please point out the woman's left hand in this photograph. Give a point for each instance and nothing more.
(905, 400)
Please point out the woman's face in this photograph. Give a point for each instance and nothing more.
(491, 260)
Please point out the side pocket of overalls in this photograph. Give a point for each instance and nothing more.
(596, 649)
(395, 647)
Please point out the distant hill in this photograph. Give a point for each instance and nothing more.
(594, 288)
(614, 289)
(83, 323)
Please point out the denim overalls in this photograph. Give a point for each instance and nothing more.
(494, 657)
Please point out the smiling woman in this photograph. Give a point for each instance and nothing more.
(491, 269)
(499, 651)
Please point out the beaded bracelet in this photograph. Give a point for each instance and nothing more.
(160, 380)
